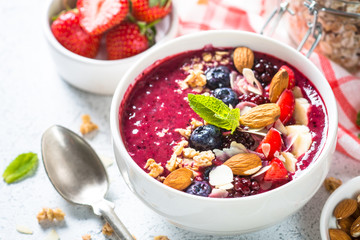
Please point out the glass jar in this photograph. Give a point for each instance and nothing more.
(340, 40)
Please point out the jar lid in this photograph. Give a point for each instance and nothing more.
(338, 7)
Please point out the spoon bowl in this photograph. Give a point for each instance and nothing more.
(73, 166)
(77, 173)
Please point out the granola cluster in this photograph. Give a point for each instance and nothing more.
(183, 156)
(196, 78)
(107, 229)
(87, 125)
(155, 168)
(50, 214)
(86, 237)
(186, 133)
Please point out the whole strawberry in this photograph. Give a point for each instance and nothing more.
(68, 32)
(97, 16)
(128, 39)
(150, 10)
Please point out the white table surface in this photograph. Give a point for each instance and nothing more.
(33, 97)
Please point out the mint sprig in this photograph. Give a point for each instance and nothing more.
(22, 166)
(215, 112)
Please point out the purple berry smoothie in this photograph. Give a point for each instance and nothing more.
(153, 107)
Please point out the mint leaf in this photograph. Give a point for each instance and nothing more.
(20, 167)
(358, 119)
(215, 112)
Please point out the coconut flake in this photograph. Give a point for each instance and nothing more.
(242, 85)
(261, 171)
(280, 127)
(255, 85)
(221, 175)
(218, 193)
(245, 107)
(52, 235)
(290, 140)
(265, 147)
(257, 131)
(279, 156)
(24, 229)
(225, 186)
(226, 153)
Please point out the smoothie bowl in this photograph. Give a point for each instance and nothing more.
(224, 132)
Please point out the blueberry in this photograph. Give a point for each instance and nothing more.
(227, 95)
(218, 77)
(205, 138)
(206, 172)
(201, 188)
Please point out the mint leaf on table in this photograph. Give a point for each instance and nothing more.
(215, 112)
(20, 167)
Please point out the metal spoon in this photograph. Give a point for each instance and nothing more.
(78, 174)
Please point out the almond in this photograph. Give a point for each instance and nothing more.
(336, 234)
(179, 179)
(345, 208)
(244, 164)
(261, 116)
(345, 224)
(278, 84)
(355, 228)
(243, 58)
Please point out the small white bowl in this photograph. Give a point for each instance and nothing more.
(351, 189)
(96, 75)
(237, 215)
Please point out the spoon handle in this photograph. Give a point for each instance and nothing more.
(106, 209)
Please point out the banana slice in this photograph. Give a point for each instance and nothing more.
(301, 111)
(290, 161)
(300, 138)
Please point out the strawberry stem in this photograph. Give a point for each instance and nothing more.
(152, 24)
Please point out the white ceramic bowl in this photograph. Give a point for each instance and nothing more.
(351, 189)
(96, 75)
(225, 216)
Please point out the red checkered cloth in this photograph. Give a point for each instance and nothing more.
(199, 15)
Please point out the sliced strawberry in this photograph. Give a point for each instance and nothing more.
(128, 39)
(97, 16)
(68, 32)
(277, 171)
(286, 103)
(291, 74)
(272, 138)
(150, 10)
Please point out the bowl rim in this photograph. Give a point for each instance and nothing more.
(172, 32)
(341, 192)
(327, 147)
